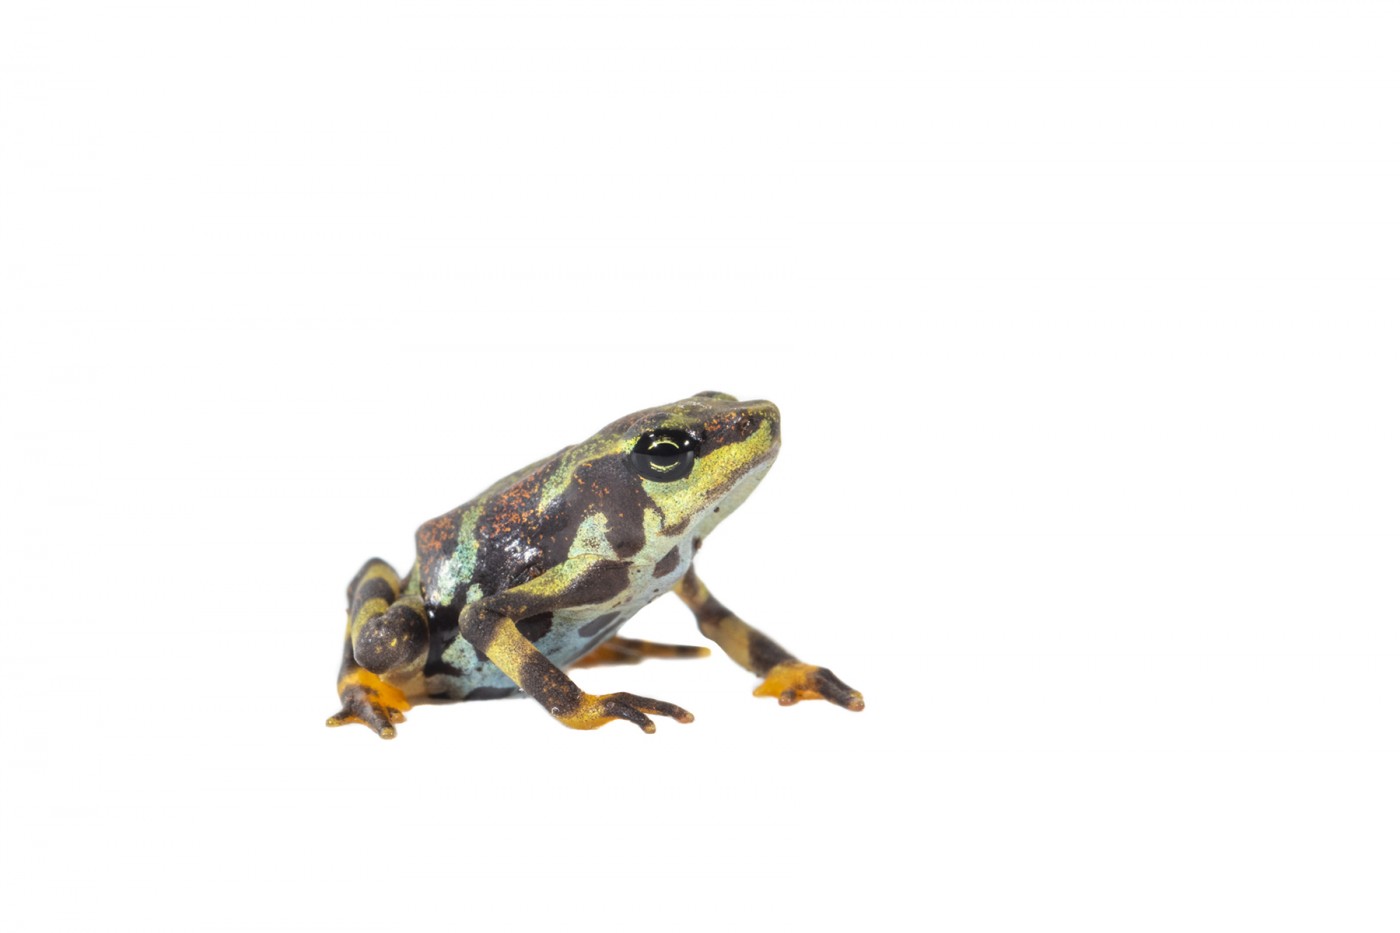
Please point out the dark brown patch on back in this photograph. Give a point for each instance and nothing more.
(514, 540)
(514, 508)
(518, 535)
(439, 535)
(607, 487)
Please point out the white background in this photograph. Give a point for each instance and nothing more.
(1082, 317)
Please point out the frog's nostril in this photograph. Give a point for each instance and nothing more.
(751, 421)
(764, 411)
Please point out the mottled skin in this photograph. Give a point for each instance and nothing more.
(539, 571)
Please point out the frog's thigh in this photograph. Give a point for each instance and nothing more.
(388, 632)
(380, 628)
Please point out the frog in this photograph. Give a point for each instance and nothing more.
(536, 575)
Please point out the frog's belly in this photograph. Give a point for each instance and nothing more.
(461, 673)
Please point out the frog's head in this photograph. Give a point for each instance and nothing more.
(699, 458)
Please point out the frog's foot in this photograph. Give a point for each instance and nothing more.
(593, 711)
(633, 651)
(371, 701)
(791, 681)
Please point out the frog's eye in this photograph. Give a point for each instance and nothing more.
(663, 456)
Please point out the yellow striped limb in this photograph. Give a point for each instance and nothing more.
(791, 681)
(489, 625)
(371, 700)
(386, 635)
(783, 675)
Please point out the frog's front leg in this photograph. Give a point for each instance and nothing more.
(489, 625)
(783, 675)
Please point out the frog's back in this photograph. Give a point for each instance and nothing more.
(487, 544)
(497, 540)
(522, 526)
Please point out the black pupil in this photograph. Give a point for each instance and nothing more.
(664, 452)
(664, 455)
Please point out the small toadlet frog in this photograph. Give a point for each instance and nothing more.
(539, 571)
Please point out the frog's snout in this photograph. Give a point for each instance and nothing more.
(757, 413)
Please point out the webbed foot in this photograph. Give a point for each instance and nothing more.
(791, 681)
(593, 711)
(378, 706)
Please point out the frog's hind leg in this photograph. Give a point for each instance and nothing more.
(386, 638)
(619, 650)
